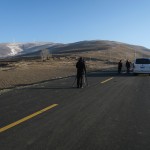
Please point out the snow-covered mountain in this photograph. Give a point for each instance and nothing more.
(13, 49)
(34, 49)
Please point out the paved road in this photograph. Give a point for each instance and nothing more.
(109, 115)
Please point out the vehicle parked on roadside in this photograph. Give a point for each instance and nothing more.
(141, 66)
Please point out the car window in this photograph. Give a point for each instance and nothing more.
(142, 61)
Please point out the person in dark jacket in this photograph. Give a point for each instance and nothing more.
(81, 70)
(119, 66)
(128, 66)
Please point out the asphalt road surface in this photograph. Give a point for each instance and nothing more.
(111, 113)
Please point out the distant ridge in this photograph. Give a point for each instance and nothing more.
(13, 49)
(34, 49)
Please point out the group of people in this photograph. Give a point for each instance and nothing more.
(81, 70)
(127, 64)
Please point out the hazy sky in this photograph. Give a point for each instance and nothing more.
(66, 21)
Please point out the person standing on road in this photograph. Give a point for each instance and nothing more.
(128, 66)
(81, 70)
(119, 66)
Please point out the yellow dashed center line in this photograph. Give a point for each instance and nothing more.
(26, 118)
(106, 80)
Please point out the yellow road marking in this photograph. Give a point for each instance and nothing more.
(26, 118)
(107, 80)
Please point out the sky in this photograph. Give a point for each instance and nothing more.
(68, 21)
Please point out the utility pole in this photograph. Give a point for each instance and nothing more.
(126, 56)
(110, 55)
(134, 54)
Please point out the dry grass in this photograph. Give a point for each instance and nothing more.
(29, 72)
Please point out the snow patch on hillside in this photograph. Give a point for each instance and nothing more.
(15, 49)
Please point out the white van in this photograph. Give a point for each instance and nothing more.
(141, 65)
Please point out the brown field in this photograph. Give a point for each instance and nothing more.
(28, 72)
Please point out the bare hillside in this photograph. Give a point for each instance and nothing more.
(105, 50)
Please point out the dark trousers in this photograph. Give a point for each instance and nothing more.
(119, 69)
(128, 69)
(79, 80)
